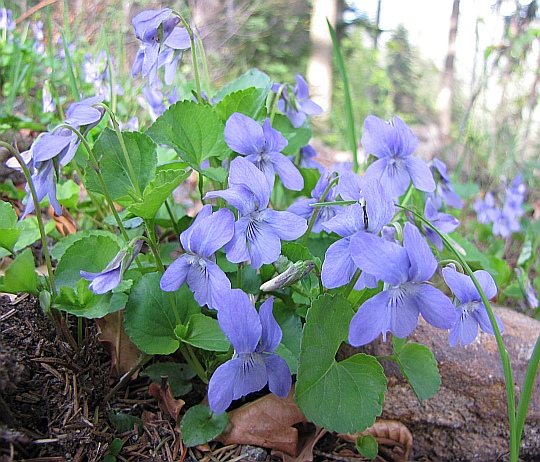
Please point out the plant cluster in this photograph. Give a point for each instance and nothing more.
(284, 259)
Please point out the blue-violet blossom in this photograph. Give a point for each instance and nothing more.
(445, 191)
(404, 271)
(208, 233)
(262, 146)
(112, 275)
(444, 222)
(393, 145)
(255, 338)
(472, 311)
(258, 230)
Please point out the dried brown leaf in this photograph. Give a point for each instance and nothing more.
(65, 224)
(388, 433)
(124, 353)
(308, 438)
(267, 422)
(166, 401)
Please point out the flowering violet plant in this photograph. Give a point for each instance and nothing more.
(252, 282)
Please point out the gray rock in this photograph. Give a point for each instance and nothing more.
(467, 419)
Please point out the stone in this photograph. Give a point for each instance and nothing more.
(468, 418)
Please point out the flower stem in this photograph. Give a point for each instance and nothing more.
(43, 235)
(351, 284)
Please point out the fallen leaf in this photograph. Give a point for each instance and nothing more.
(387, 433)
(124, 353)
(267, 422)
(166, 401)
(308, 438)
(65, 224)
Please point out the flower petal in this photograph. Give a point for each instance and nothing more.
(420, 174)
(370, 320)
(49, 146)
(103, 282)
(236, 249)
(263, 242)
(244, 135)
(274, 140)
(338, 266)
(435, 307)
(487, 283)
(347, 222)
(288, 173)
(222, 384)
(350, 186)
(271, 332)
(175, 275)
(244, 173)
(239, 321)
(212, 233)
(461, 285)
(286, 225)
(423, 263)
(464, 330)
(279, 375)
(383, 259)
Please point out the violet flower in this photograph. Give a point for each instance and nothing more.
(44, 180)
(262, 146)
(394, 145)
(303, 207)
(505, 222)
(96, 72)
(6, 20)
(255, 338)
(404, 271)
(112, 275)
(373, 210)
(259, 229)
(159, 38)
(472, 311)
(37, 29)
(445, 191)
(208, 233)
(485, 209)
(444, 222)
(297, 105)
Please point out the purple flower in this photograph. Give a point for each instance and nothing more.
(303, 207)
(485, 209)
(258, 230)
(37, 29)
(471, 312)
(63, 143)
(112, 275)
(262, 146)
(445, 191)
(6, 20)
(505, 222)
(208, 233)
(393, 145)
(62, 52)
(44, 180)
(307, 154)
(48, 104)
(159, 38)
(254, 337)
(373, 210)
(96, 71)
(297, 105)
(444, 222)
(515, 196)
(404, 271)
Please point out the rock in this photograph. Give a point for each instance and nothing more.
(467, 419)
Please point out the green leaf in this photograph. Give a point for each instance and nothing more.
(248, 102)
(297, 137)
(21, 275)
(252, 78)
(125, 422)
(114, 168)
(203, 332)
(152, 315)
(157, 192)
(473, 255)
(67, 193)
(178, 376)
(91, 254)
(116, 446)
(200, 425)
(215, 173)
(343, 396)
(367, 446)
(58, 250)
(193, 130)
(84, 303)
(8, 220)
(30, 232)
(419, 367)
(502, 271)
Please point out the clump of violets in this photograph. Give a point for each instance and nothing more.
(393, 144)
(505, 219)
(37, 29)
(262, 146)
(197, 266)
(255, 338)
(259, 229)
(471, 311)
(96, 71)
(161, 39)
(295, 102)
(405, 271)
(112, 275)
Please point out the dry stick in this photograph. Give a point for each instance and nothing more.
(32, 10)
